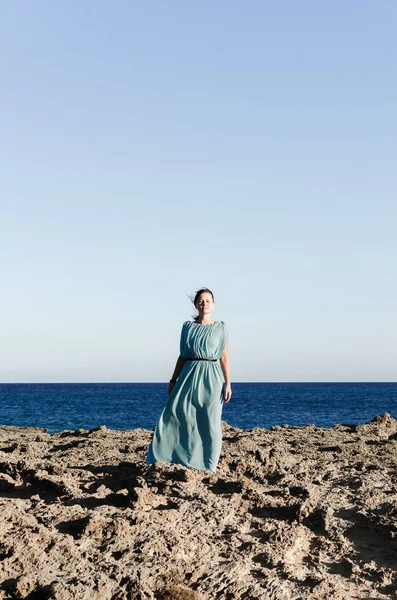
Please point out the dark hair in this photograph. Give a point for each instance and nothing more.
(197, 296)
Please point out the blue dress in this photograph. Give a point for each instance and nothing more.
(188, 431)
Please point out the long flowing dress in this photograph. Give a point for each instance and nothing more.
(188, 431)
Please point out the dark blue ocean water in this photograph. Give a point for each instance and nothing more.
(59, 406)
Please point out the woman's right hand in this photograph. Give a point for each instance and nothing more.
(170, 387)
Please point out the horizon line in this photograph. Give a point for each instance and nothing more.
(166, 382)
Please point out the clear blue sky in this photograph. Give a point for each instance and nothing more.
(147, 149)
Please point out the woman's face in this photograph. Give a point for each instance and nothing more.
(205, 303)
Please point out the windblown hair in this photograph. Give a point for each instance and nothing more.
(196, 297)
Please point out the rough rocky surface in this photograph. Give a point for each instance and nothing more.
(291, 513)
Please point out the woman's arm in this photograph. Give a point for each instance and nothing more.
(177, 371)
(226, 373)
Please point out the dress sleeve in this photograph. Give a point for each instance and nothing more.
(182, 342)
(224, 335)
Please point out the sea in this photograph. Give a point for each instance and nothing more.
(122, 406)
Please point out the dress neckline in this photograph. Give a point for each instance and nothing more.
(204, 324)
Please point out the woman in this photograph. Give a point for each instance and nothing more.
(188, 431)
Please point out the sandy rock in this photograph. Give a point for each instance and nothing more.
(291, 513)
(7, 483)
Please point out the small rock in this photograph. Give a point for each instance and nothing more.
(6, 483)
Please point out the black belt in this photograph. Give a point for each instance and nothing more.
(209, 359)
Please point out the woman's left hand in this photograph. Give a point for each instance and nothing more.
(227, 393)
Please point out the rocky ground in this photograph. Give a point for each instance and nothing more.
(291, 513)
